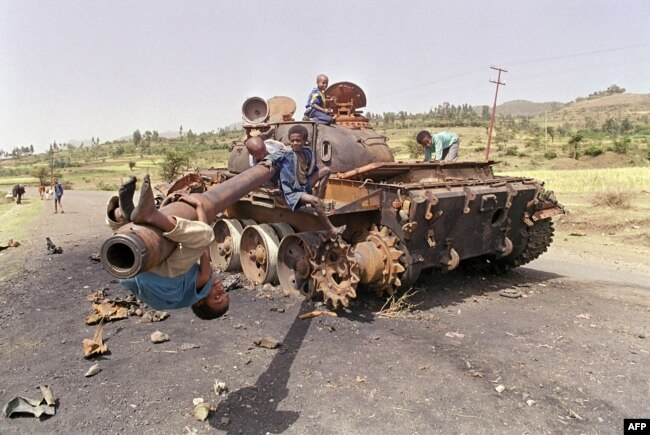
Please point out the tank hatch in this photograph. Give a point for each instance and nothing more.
(346, 99)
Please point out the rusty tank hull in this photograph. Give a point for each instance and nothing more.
(401, 218)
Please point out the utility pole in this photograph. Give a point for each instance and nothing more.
(494, 109)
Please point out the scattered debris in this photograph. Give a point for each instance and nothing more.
(225, 421)
(197, 401)
(317, 313)
(397, 307)
(52, 248)
(277, 310)
(159, 337)
(219, 387)
(267, 342)
(189, 346)
(93, 370)
(97, 296)
(95, 346)
(454, 334)
(154, 316)
(574, 415)
(500, 388)
(10, 244)
(112, 309)
(584, 316)
(530, 402)
(24, 405)
(510, 293)
(95, 257)
(201, 411)
(361, 380)
(578, 234)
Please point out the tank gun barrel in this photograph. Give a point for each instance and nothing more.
(137, 248)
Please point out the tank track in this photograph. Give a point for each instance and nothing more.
(540, 236)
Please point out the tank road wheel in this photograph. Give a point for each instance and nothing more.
(335, 271)
(258, 251)
(540, 236)
(224, 251)
(295, 254)
(379, 261)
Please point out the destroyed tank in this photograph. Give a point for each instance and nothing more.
(401, 218)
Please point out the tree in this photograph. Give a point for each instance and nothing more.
(173, 165)
(42, 174)
(574, 141)
(137, 137)
(180, 131)
(131, 165)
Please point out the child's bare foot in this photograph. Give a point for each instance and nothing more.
(126, 197)
(146, 208)
(337, 231)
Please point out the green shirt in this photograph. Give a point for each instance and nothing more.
(439, 142)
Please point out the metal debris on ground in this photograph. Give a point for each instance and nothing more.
(96, 346)
(96, 296)
(454, 334)
(159, 337)
(267, 342)
(189, 346)
(52, 248)
(154, 316)
(93, 370)
(95, 257)
(202, 411)
(510, 293)
(37, 408)
(584, 316)
(10, 244)
(317, 313)
(500, 388)
(219, 387)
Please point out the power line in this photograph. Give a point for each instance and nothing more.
(542, 59)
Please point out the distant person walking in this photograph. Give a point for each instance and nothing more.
(58, 193)
(17, 192)
(442, 146)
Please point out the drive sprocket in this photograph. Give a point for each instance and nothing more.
(386, 244)
(335, 271)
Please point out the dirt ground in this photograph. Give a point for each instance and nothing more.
(571, 355)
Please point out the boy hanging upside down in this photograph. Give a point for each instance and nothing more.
(179, 281)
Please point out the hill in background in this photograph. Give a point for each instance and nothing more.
(528, 108)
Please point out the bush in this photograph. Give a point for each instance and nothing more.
(511, 151)
(622, 146)
(613, 199)
(480, 149)
(593, 151)
(550, 155)
(107, 186)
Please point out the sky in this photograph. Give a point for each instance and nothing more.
(76, 69)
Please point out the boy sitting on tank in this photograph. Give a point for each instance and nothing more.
(299, 174)
(315, 106)
(179, 281)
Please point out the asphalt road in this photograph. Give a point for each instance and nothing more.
(570, 355)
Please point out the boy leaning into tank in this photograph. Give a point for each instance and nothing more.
(299, 174)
